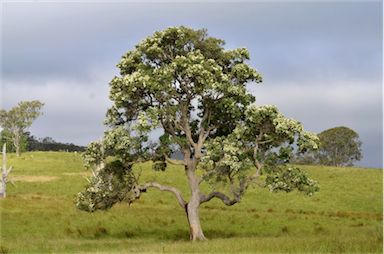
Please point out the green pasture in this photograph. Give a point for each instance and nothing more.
(39, 216)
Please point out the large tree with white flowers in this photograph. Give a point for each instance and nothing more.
(186, 83)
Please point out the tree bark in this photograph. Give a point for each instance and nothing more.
(4, 173)
(192, 154)
(192, 211)
(192, 208)
(161, 187)
(17, 151)
(16, 143)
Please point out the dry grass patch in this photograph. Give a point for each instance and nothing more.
(33, 179)
(34, 196)
(77, 174)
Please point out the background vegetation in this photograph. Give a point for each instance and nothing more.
(39, 215)
(29, 142)
(339, 146)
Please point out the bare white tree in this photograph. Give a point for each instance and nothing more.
(4, 174)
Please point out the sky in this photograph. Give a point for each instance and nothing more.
(321, 61)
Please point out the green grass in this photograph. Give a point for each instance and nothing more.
(39, 216)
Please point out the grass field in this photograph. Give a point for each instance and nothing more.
(39, 216)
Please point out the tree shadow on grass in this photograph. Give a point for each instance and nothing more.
(167, 235)
(219, 234)
(183, 234)
(160, 234)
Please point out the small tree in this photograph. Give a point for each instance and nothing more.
(339, 146)
(186, 83)
(18, 119)
(6, 137)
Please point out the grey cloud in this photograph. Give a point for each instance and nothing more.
(321, 62)
(59, 39)
(72, 112)
(319, 107)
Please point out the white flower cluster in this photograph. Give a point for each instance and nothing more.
(94, 154)
(147, 120)
(278, 127)
(112, 184)
(225, 153)
(258, 114)
(290, 178)
(117, 139)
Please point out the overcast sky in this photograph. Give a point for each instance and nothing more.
(321, 61)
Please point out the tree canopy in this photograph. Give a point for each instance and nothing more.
(339, 146)
(18, 119)
(186, 83)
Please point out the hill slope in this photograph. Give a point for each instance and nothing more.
(39, 215)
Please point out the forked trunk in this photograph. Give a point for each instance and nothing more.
(195, 230)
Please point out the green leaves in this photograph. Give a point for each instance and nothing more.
(115, 183)
(339, 146)
(273, 129)
(186, 83)
(171, 69)
(118, 141)
(94, 154)
(289, 178)
(226, 153)
(264, 141)
(20, 117)
(147, 120)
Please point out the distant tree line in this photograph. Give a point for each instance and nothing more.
(31, 143)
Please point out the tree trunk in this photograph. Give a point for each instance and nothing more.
(16, 143)
(195, 230)
(192, 208)
(17, 151)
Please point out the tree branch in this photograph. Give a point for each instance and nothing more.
(204, 133)
(174, 162)
(185, 124)
(9, 170)
(216, 194)
(171, 189)
(209, 130)
(188, 134)
(266, 141)
(256, 162)
(167, 128)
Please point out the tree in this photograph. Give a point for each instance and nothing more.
(6, 138)
(18, 119)
(339, 146)
(186, 83)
